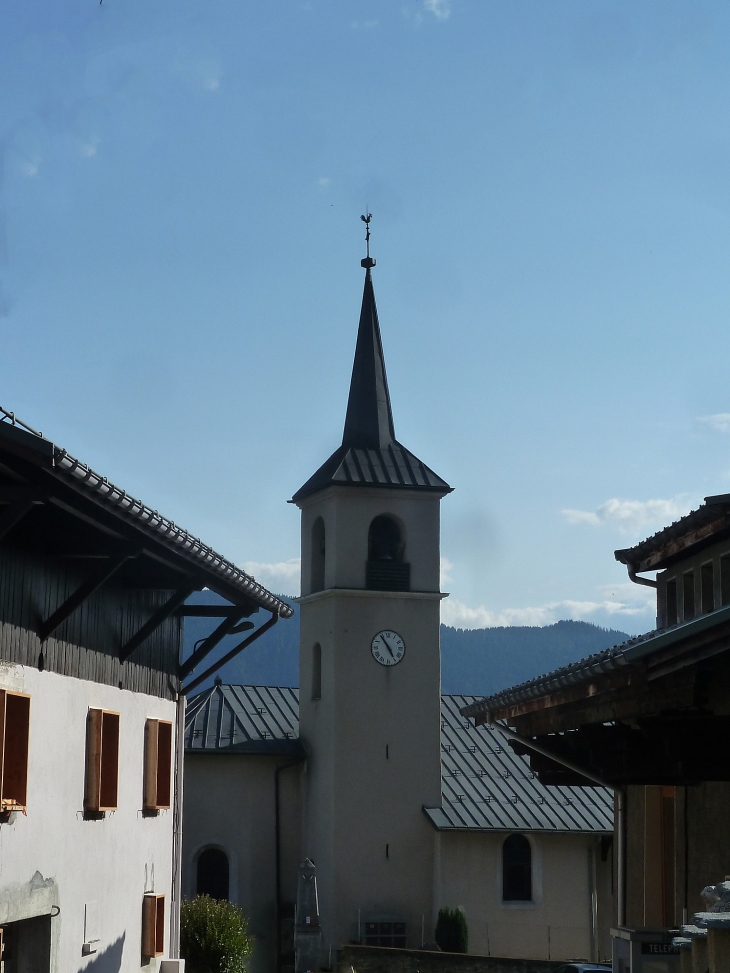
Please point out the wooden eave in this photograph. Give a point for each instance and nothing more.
(680, 547)
(658, 682)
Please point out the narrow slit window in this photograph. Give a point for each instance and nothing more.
(14, 739)
(671, 603)
(707, 578)
(317, 671)
(157, 765)
(153, 925)
(318, 555)
(102, 761)
(725, 580)
(688, 595)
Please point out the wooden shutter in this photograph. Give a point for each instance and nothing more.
(102, 761)
(93, 760)
(153, 925)
(14, 741)
(157, 765)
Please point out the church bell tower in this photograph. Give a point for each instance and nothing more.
(370, 678)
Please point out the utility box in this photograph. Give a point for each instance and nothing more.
(644, 950)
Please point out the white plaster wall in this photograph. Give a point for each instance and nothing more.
(229, 804)
(348, 512)
(53, 857)
(359, 801)
(556, 925)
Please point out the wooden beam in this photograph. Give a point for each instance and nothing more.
(11, 492)
(161, 615)
(95, 580)
(210, 643)
(207, 611)
(680, 545)
(12, 515)
(230, 655)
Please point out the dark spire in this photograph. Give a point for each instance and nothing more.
(370, 455)
(369, 419)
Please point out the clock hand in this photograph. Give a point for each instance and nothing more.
(388, 647)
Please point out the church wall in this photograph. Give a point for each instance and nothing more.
(557, 924)
(229, 803)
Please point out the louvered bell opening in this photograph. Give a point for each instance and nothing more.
(388, 576)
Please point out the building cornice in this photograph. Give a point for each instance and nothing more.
(367, 593)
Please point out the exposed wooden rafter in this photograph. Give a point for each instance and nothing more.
(161, 615)
(96, 579)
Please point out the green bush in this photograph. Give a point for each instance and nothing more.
(452, 934)
(214, 936)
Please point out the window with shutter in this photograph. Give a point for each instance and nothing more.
(157, 765)
(153, 925)
(102, 761)
(14, 740)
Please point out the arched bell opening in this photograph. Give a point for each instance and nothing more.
(386, 568)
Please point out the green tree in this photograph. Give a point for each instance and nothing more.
(452, 934)
(214, 936)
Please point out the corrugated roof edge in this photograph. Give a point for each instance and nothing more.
(440, 821)
(616, 657)
(160, 528)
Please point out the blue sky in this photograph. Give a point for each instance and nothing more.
(550, 182)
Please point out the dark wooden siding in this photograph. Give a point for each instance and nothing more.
(87, 644)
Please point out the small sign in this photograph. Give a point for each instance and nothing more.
(659, 949)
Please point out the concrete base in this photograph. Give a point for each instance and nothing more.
(718, 950)
(699, 954)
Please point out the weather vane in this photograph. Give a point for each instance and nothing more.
(368, 261)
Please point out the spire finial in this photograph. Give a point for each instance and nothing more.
(369, 261)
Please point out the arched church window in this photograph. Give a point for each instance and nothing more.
(317, 671)
(213, 873)
(317, 565)
(386, 569)
(516, 869)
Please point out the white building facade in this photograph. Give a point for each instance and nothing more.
(93, 590)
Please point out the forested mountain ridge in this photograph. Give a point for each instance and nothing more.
(477, 661)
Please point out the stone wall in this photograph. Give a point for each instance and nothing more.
(374, 959)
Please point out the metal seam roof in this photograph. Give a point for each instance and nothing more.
(164, 531)
(485, 785)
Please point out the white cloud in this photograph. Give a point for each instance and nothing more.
(211, 84)
(323, 182)
(632, 515)
(281, 577)
(460, 615)
(88, 150)
(719, 422)
(445, 566)
(439, 8)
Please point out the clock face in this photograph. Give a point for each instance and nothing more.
(388, 648)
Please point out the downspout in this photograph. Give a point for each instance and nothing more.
(177, 831)
(633, 576)
(277, 825)
(618, 793)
